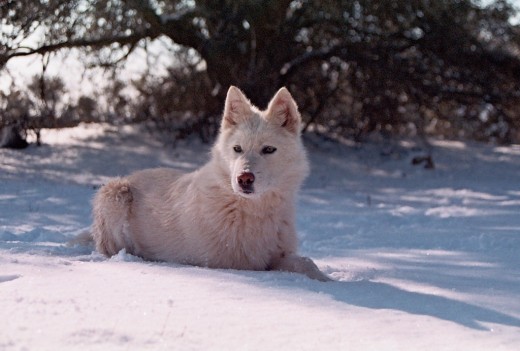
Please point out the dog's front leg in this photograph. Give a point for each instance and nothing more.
(299, 264)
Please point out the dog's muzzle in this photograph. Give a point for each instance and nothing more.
(246, 182)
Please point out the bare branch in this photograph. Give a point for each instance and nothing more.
(131, 39)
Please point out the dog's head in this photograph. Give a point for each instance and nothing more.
(261, 151)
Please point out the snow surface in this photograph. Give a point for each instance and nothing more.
(423, 259)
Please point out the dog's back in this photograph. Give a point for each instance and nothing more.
(114, 207)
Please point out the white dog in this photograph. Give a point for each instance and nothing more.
(237, 211)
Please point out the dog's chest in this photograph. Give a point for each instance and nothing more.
(244, 238)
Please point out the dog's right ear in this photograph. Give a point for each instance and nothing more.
(236, 108)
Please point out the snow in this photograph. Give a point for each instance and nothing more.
(423, 259)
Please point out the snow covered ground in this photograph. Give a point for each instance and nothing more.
(423, 259)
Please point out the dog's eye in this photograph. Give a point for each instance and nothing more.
(237, 148)
(268, 150)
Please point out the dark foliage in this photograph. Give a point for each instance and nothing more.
(443, 67)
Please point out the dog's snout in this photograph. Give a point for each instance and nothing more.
(246, 179)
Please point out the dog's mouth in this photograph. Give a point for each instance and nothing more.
(247, 190)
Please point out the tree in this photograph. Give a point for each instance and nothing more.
(447, 66)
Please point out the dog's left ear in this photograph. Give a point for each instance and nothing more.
(283, 110)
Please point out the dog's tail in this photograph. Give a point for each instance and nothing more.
(84, 238)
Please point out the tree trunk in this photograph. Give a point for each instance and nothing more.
(10, 137)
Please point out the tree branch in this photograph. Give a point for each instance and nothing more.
(131, 39)
(322, 53)
(179, 28)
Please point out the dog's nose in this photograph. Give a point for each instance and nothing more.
(246, 179)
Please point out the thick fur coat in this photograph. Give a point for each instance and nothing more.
(237, 211)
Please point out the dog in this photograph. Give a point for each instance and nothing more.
(235, 212)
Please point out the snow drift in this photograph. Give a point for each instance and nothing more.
(423, 259)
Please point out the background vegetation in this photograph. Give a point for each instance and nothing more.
(442, 67)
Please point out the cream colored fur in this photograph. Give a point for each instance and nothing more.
(206, 218)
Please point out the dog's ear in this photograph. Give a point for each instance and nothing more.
(236, 108)
(283, 111)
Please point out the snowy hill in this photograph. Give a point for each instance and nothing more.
(423, 259)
